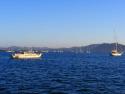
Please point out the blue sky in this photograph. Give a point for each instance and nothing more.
(61, 23)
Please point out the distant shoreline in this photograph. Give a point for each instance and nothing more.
(93, 48)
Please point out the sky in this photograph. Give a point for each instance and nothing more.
(61, 23)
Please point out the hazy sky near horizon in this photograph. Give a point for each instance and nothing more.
(60, 23)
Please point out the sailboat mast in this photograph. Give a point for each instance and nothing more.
(116, 46)
(115, 52)
(116, 42)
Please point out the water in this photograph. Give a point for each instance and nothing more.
(63, 73)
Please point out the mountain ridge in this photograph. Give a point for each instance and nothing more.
(93, 48)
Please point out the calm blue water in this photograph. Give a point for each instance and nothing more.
(63, 73)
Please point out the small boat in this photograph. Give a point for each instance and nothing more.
(115, 52)
(26, 55)
(9, 51)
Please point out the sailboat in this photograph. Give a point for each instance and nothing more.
(115, 51)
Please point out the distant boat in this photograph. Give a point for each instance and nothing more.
(9, 51)
(115, 52)
(26, 55)
(88, 50)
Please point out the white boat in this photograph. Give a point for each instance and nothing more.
(9, 51)
(115, 52)
(26, 55)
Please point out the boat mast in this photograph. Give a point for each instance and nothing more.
(116, 46)
(116, 42)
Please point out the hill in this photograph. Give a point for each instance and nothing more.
(94, 48)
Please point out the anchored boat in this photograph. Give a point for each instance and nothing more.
(115, 52)
(26, 55)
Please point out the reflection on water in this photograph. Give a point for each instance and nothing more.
(63, 73)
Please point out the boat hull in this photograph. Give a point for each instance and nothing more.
(116, 54)
(22, 56)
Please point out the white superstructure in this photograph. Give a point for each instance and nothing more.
(26, 55)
